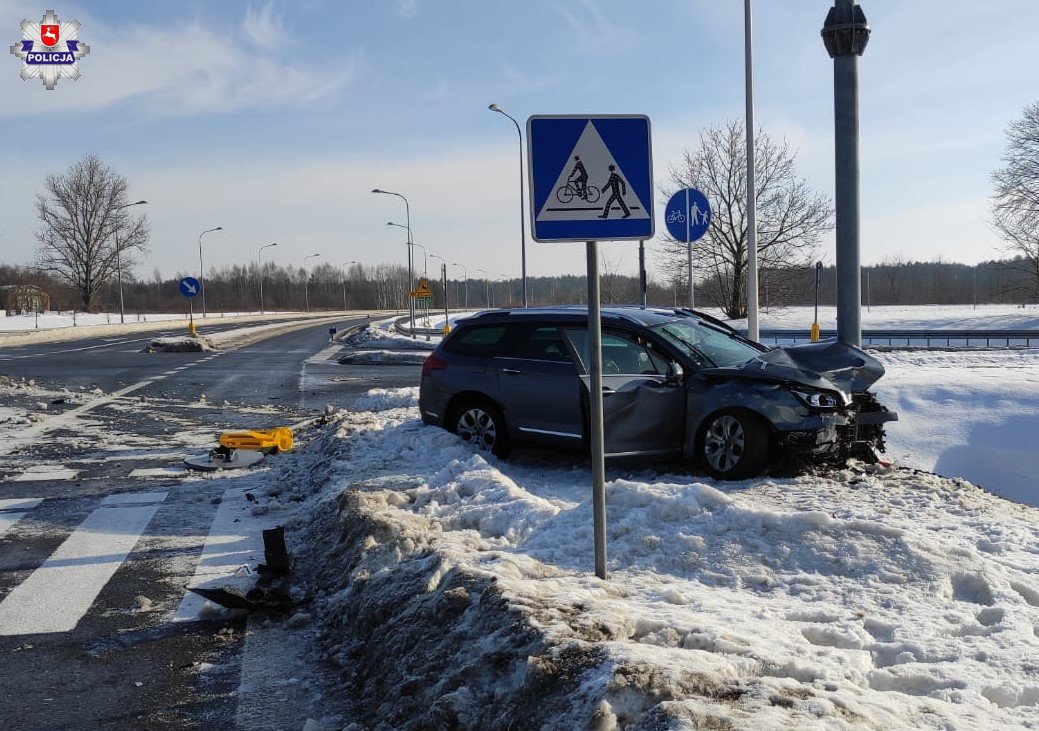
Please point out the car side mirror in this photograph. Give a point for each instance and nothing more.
(675, 372)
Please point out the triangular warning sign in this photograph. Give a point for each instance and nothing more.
(591, 185)
(423, 290)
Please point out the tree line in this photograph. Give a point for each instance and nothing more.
(236, 288)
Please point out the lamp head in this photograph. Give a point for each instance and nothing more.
(494, 108)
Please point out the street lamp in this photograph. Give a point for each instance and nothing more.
(465, 280)
(753, 331)
(490, 301)
(523, 236)
(201, 273)
(447, 304)
(411, 273)
(845, 34)
(119, 261)
(306, 281)
(345, 308)
(259, 262)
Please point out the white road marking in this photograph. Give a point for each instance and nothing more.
(325, 355)
(58, 594)
(235, 539)
(14, 509)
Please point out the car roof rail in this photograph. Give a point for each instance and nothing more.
(704, 316)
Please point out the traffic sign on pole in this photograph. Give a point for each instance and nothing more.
(189, 287)
(591, 177)
(688, 216)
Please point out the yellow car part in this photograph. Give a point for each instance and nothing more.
(278, 439)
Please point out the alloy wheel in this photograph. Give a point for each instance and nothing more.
(724, 443)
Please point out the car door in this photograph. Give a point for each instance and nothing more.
(643, 408)
(539, 385)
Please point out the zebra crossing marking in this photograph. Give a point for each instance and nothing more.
(58, 594)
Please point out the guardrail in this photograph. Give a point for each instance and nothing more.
(919, 338)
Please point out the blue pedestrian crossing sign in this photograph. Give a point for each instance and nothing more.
(189, 287)
(591, 177)
(687, 215)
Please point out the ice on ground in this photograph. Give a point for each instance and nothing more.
(458, 590)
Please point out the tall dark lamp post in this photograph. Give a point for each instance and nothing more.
(845, 34)
(201, 273)
(259, 263)
(306, 281)
(523, 235)
(411, 273)
(119, 262)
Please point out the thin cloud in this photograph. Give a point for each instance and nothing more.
(407, 9)
(263, 28)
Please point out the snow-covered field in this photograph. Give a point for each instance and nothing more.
(919, 317)
(457, 590)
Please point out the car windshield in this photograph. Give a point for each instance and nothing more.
(706, 345)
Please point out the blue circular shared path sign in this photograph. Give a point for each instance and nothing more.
(688, 214)
(189, 287)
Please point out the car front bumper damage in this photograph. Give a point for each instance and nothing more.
(834, 436)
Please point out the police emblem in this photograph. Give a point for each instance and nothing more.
(49, 50)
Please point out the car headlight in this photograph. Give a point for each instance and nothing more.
(819, 399)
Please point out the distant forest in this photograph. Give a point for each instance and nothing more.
(236, 288)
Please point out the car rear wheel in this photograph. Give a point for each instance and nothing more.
(482, 425)
(733, 445)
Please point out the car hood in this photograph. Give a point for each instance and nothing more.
(830, 365)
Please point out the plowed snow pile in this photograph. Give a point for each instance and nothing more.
(458, 589)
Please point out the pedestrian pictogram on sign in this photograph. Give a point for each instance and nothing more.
(590, 177)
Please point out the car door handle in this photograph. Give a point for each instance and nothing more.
(607, 391)
(511, 371)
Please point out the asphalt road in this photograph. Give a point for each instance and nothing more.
(100, 533)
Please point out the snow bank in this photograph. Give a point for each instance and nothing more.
(179, 344)
(457, 590)
(383, 336)
(970, 414)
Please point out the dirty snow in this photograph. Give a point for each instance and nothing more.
(881, 598)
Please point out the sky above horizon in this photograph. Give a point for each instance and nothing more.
(275, 119)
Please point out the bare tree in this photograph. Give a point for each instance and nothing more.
(791, 217)
(1016, 200)
(86, 227)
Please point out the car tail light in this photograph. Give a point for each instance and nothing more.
(432, 363)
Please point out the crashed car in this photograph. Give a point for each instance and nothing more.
(675, 383)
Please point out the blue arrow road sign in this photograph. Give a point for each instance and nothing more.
(591, 178)
(189, 287)
(687, 215)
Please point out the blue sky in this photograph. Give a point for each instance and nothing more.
(275, 119)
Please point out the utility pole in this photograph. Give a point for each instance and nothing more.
(259, 264)
(845, 34)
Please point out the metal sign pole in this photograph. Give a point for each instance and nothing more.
(689, 244)
(643, 281)
(595, 410)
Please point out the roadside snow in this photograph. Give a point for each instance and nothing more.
(970, 414)
(458, 592)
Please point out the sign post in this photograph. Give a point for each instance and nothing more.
(688, 216)
(189, 287)
(591, 179)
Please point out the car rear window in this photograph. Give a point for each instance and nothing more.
(481, 340)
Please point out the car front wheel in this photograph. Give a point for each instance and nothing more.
(733, 445)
